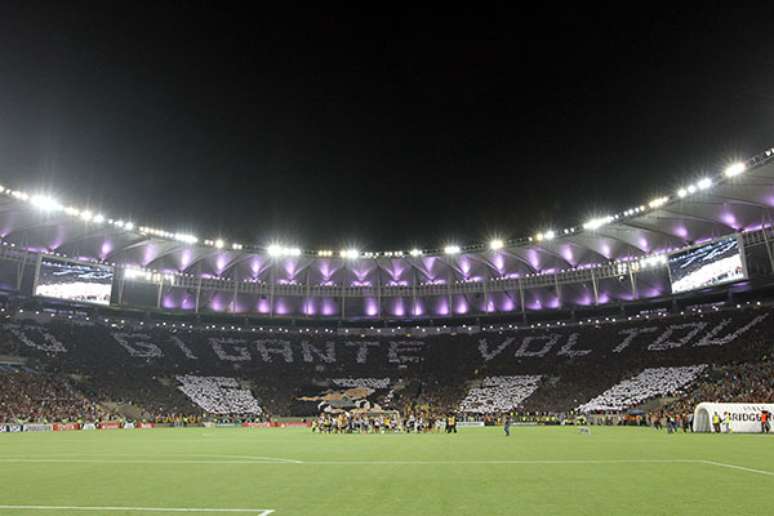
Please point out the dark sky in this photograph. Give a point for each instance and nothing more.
(411, 128)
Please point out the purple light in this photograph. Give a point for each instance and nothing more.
(105, 250)
(220, 263)
(729, 219)
(290, 268)
(168, 302)
(263, 306)
(418, 309)
(281, 307)
(328, 307)
(499, 262)
(567, 253)
(361, 283)
(442, 306)
(461, 306)
(185, 259)
(398, 309)
(372, 307)
(681, 231)
(507, 304)
(534, 259)
(464, 265)
(644, 243)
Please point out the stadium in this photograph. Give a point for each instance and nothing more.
(619, 364)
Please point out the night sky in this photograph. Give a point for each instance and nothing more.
(324, 129)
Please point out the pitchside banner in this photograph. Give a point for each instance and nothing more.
(745, 417)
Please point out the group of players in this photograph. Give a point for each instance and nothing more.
(346, 423)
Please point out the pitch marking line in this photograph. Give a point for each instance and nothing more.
(257, 512)
(741, 468)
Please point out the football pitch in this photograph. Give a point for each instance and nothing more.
(282, 472)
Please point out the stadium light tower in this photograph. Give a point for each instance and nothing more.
(452, 249)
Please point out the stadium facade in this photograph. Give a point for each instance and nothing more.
(705, 236)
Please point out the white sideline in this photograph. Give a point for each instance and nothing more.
(742, 468)
(291, 462)
(257, 512)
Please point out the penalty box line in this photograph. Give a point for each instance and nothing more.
(256, 512)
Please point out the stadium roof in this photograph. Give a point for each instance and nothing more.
(739, 198)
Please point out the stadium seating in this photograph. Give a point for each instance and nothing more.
(164, 371)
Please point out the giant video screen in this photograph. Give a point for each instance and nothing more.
(712, 264)
(85, 283)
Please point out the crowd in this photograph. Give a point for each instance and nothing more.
(219, 395)
(746, 382)
(499, 394)
(650, 383)
(31, 397)
(171, 375)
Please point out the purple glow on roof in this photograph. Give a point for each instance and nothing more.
(185, 259)
(309, 306)
(605, 250)
(221, 262)
(328, 307)
(189, 303)
(554, 302)
(255, 265)
(395, 269)
(372, 307)
(442, 306)
(729, 219)
(507, 304)
(402, 283)
(263, 306)
(168, 302)
(566, 253)
(216, 303)
(461, 305)
(281, 307)
(644, 244)
(290, 267)
(464, 264)
(584, 300)
(362, 271)
(498, 261)
(533, 257)
(397, 307)
(327, 283)
(361, 283)
(418, 309)
(149, 253)
(604, 298)
(681, 231)
(535, 305)
(490, 306)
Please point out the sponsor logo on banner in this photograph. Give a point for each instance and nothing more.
(36, 427)
(62, 427)
(141, 426)
(110, 425)
(255, 425)
(13, 428)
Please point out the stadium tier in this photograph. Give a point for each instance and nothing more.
(711, 233)
(152, 372)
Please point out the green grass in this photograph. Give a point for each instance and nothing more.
(473, 472)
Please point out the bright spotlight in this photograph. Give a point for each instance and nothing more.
(735, 169)
(704, 183)
(549, 235)
(219, 243)
(452, 249)
(415, 252)
(45, 203)
(349, 254)
(682, 192)
(496, 244)
(274, 250)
